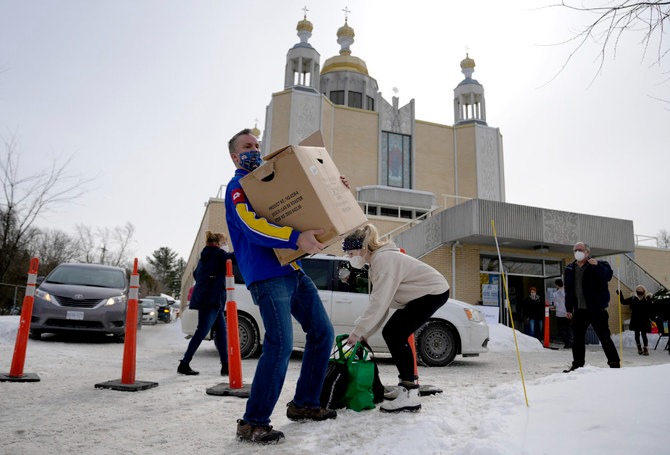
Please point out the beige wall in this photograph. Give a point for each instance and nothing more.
(355, 145)
(467, 160)
(656, 261)
(434, 164)
(281, 117)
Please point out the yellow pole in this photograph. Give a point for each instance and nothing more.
(618, 284)
(509, 310)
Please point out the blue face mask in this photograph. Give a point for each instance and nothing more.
(250, 160)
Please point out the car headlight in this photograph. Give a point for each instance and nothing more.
(43, 295)
(473, 315)
(152, 313)
(114, 300)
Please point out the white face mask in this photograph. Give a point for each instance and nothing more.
(580, 255)
(357, 262)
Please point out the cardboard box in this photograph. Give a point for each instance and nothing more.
(300, 187)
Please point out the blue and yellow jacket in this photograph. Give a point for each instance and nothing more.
(254, 237)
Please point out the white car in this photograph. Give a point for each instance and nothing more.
(457, 328)
(149, 311)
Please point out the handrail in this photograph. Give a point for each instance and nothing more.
(411, 222)
(636, 273)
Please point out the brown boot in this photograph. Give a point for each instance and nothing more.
(639, 349)
(645, 351)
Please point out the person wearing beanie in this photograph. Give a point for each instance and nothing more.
(412, 287)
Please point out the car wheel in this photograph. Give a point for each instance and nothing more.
(35, 335)
(250, 340)
(436, 344)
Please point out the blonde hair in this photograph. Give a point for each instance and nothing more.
(215, 237)
(643, 289)
(370, 236)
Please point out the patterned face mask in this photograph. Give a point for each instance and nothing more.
(250, 160)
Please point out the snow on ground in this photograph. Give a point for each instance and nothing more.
(482, 411)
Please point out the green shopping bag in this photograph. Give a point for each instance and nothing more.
(361, 369)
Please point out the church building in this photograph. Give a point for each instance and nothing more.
(437, 190)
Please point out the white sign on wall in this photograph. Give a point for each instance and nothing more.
(490, 313)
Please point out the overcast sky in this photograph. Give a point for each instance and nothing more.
(144, 94)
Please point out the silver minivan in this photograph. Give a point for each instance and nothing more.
(81, 298)
(457, 328)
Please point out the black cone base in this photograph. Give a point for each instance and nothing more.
(225, 390)
(118, 385)
(26, 377)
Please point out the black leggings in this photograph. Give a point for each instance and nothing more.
(404, 323)
(644, 337)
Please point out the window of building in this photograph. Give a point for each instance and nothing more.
(517, 266)
(396, 160)
(370, 103)
(356, 100)
(520, 274)
(337, 96)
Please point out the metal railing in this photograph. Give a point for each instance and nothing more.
(410, 223)
(644, 240)
(631, 274)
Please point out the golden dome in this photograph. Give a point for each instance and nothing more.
(467, 62)
(345, 30)
(345, 63)
(305, 25)
(255, 131)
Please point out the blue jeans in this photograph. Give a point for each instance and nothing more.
(277, 299)
(535, 327)
(208, 318)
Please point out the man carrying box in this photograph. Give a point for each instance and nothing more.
(279, 291)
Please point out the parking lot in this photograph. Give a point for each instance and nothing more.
(65, 413)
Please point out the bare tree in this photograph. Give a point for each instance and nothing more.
(612, 19)
(105, 245)
(24, 198)
(663, 239)
(54, 247)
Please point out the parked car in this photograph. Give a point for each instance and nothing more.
(163, 306)
(457, 328)
(149, 311)
(81, 298)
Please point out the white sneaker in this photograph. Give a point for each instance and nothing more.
(407, 401)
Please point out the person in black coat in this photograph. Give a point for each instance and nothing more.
(209, 299)
(587, 297)
(640, 319)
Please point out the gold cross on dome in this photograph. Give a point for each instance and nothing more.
(304, 9)
(346, 13)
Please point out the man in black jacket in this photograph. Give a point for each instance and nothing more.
(586, 300)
